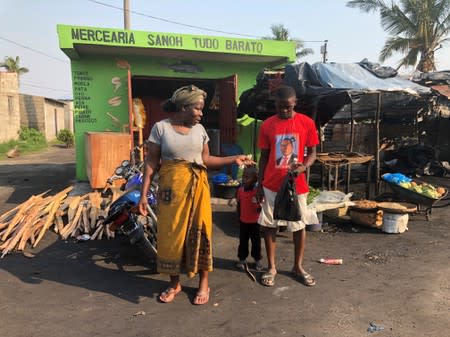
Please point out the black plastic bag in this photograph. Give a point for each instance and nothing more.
(286, 205)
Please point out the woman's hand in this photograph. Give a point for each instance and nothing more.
(244, 160)
(260, 194)
(142, 206)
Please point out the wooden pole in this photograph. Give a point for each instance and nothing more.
(322, 166)
(254, 136)
(369, 177)
(377, 144)
(141, 149)
(352, 139)
(126, 14)
(336, 177)
(130, 109)
(352, 127)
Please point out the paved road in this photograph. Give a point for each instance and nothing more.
(400, 282)
(35, 173)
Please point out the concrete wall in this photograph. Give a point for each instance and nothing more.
(9, 106)
(54, 118)
(44, 114)
(32, 113)
(68, 114)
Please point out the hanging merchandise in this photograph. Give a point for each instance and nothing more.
(215, 100)
(139, 114)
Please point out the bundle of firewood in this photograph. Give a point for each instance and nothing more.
(69, 216)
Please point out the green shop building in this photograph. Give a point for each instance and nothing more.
(111, 67)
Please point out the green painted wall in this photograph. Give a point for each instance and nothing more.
(93, 89)
(99, 72)
(69, 36)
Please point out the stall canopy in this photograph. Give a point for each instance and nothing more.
(333, 86)
(356, 77)
(344, 93)
(329, 88)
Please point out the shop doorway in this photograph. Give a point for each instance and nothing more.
(219, 114)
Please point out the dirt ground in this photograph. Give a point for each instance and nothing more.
(104, 288)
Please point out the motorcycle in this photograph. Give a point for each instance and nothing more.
(123, 216)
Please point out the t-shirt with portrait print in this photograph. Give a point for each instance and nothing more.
(280, 135)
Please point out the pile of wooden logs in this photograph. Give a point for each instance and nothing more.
(69, 216)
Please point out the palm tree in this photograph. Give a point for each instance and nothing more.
(281, 33)
(417, 28)
(12, 65)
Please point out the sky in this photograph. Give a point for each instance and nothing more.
(28, 30)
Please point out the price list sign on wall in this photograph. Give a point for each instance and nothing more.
(82, 82)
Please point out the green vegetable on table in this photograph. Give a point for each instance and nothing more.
(313, 193)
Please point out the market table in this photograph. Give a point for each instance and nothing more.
(334, 161)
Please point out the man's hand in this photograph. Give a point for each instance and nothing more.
(298, 167)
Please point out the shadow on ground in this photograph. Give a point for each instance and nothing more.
(25, 180)
(113, 267)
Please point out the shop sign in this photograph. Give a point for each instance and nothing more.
(165, 40)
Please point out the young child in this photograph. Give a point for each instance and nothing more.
(248, 211)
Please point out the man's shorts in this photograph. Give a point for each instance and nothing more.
(266, 215)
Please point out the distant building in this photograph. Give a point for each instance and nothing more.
(44, 114)
(9, 106)
(47, 115)
(68, 113)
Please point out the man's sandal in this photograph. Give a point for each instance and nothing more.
(304, 278)
(202, 297)
(268, 279)
(169, 294)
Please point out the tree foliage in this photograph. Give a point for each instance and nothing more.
(416, 28)
(13, 65)
(281, 33)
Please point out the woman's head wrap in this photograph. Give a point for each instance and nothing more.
(186, 95)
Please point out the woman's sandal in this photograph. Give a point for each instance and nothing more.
(268, 279)
(202, 297)
(169, 294)
(304, 278)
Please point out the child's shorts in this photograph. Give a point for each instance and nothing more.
(266, 215)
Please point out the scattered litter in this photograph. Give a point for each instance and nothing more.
(139, 313)
(83, 237)
(254, 302)
(376, 257)
(13, 153)
(216, 304)
(374, 328)
(249, 273)
(331, 261)
(28, 254)
(278, 291)
(218, 292)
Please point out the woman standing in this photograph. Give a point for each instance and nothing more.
(178, 150)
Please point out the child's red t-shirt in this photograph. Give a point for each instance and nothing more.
(301, 131)
(248, 206)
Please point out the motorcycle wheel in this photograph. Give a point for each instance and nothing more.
(147, 248)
